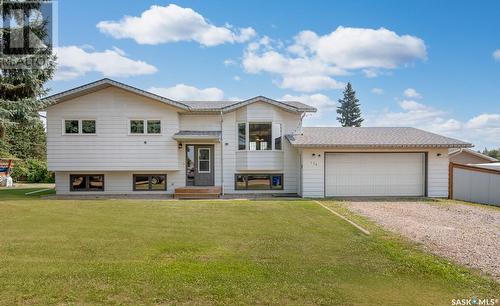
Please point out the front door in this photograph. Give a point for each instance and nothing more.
(199, 165)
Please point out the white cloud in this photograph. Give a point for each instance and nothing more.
(358, 48)
(378, 91)
(74, 61)
(496, 55)
(370, 73)
(324, 105)
(310, 83)
(189, 93)
(229, 62)
(412, 93)
(481, 130)
(410, 105)
(237, 78)
(484, 121)
(172, 23)
(309, 63)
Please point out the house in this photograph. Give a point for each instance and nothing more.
(466, 156)
(110, 138)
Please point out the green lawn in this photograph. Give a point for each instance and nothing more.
(211, 252)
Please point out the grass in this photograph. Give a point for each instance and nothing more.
(211, 252)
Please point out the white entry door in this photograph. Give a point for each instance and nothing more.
(374, 174)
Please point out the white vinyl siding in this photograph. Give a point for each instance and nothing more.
(284, 161)
(112, 148)
(374, 174)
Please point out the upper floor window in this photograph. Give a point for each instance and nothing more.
(261, 136)
(242, 136)
(79, 126)
(141, 126)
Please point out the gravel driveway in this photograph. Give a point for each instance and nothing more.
(469, 235)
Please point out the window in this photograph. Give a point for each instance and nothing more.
(150, 182)
(154, 126)
(242, 136)
(277, 136)
(88, 126)
(136, 126)
(204, 160)
(140, 126)
(259, 182)
(71, 126)
(86, 182)
(260, 136)
(78, 126)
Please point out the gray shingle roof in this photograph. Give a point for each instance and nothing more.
(372, 137)
(193, 106)
(183, 135)
(218, 105)
(198, 133)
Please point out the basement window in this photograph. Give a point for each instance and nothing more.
(86, 182)
(150, 182)
(259, 181)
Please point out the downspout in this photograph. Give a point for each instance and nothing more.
(221, 152)
(298, 129)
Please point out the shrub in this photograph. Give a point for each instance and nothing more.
(20, 171)
(32, 171)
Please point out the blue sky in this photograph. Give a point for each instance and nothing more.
(428, 64)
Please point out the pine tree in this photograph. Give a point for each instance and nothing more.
(22, 88)
(348, 110)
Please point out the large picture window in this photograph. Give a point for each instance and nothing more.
(150, 182)
(259, 136)
(86, 182)
(259, 181)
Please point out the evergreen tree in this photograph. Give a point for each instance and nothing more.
(26, 141)
(495, 153)
(20, 87)
(348, 110)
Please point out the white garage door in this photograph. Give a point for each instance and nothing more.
(375, 174)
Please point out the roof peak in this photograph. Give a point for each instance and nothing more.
(185, 105)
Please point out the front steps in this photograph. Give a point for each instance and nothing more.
(198, 192)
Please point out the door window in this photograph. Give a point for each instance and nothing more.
(204, 160)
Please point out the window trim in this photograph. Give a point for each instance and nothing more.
(71, 189)
(270, 178)
(247, 136)
(209, 160)
(145, 123)
(149, 175)
(80, 126)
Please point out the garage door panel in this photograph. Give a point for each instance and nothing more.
(374, 174)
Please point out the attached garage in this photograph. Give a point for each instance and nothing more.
(372, 161)
(375, 174)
